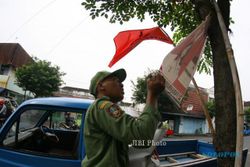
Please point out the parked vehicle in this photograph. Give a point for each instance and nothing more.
(34, 135)
(7, 106)
(246, 129)
(10, 101)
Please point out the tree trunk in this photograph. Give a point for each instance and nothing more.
(225, 104)
(225, 116)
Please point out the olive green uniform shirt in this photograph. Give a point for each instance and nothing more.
(108, 131)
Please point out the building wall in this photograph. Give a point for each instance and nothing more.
(246, 105)
(3, 81)
(189, 125)
(73, 92)
(4, 77)
(7, 81)
(11, 83)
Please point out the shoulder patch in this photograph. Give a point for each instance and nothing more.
(103, 104)
(115, 111)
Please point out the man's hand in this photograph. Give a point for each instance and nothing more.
(155, 83)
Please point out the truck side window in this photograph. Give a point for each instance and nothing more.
(64, 120)
(46, 132)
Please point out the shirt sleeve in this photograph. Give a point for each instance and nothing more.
(114, 121)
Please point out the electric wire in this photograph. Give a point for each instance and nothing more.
(30, 19)
(66, 35)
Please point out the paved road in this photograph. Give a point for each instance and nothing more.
(209, 139)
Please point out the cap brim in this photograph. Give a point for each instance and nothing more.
(120, 73)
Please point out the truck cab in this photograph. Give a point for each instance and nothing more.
(44, 132)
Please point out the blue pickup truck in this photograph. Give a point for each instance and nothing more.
(44, 132)
(47, 132)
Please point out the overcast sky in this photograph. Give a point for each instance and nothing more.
(61, 32)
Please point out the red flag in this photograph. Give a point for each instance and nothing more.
(180, 64)
(125, 41)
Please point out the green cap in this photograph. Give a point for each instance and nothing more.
(101, 75)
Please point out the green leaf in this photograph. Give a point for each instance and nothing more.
(39, 77)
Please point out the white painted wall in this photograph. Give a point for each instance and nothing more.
(189, 125)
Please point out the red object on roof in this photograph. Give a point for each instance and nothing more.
(193, 100)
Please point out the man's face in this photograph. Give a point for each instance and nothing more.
(112, 88)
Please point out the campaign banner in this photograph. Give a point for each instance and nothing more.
(179, 66)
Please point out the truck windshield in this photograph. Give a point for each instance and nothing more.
(30, 118)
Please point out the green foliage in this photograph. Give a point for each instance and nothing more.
(140, 89)
(247, 112)
(39, 77)
(140, 94)
(211, 108)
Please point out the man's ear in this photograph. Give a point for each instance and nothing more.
(100, 87)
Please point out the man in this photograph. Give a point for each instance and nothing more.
(107, 129)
